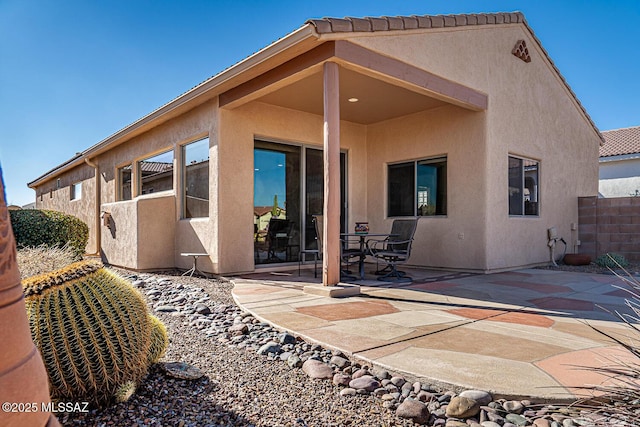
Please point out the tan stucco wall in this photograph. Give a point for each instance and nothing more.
(239, 128)
(147, 243)
(49, 196)
(448, 131)
(530, 114)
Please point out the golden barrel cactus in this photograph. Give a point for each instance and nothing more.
(93, 330)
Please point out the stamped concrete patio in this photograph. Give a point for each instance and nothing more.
(519, 334)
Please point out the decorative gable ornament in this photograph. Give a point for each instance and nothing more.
(520, 50)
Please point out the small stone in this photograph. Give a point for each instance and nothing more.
(366, 382)
(542, 422)
(317, 369)
(425, 396)
(294, 361)
(285, 356)
(381, 374)
(455, 423)
(516, 419)
(406, 389)
(166, 309)
(489, 424)
(568, 423)
(482, 397)
(270, 347)
(182, 370)
(387, 397)
(414, 410)
(398, 381)
(360, 372)
(513, 406)
(341, 379)
(239, 329)
(340, 362)
(462, 407)
(286, 338)
(203, 309)
(347, 392)
(381, 391)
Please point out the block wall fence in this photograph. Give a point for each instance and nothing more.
(609, 225)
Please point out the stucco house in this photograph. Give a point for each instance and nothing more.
(620, 163)
(460, 121)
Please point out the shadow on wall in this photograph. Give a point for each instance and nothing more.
(109, 222)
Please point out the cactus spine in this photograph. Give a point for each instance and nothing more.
(93, 330)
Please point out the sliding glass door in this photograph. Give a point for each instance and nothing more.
(288, 191)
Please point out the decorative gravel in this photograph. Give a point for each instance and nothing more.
(255, 375)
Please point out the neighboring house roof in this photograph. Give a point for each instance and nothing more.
(155, 167)
(261, 210)
(619, 142)
(310, 33)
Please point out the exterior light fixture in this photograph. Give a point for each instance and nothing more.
(353, 100)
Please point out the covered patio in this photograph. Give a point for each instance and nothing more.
(342, 81)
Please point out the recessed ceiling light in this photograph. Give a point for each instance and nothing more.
(353, 99)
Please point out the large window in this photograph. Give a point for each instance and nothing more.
(524, 193)
(195, 165)
(156, 173)
(417, 188)
(124, 183)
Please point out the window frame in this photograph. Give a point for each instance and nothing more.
(522, 187)
(119, 182)
(139, 177)
(440, 159)
(74, 194)
(183, 175)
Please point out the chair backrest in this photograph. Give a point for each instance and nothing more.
(319, 220)
(276, 226)
(402, 230)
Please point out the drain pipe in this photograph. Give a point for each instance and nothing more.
(97, 225)
(552, 235)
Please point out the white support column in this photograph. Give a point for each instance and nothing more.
(331, 232)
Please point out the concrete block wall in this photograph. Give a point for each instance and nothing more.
(610, 225)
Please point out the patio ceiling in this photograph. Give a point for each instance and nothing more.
(377, 100)
(384, 87)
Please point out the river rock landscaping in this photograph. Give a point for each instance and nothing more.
(256, 375)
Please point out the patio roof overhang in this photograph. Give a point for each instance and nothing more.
(385, 87)
(322, 81)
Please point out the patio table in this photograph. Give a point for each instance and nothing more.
(363, 252)
(194, 268)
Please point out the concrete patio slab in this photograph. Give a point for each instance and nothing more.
(518, 334)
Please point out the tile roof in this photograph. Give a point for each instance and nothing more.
(392, 23)
(621, 141)
(395, 23)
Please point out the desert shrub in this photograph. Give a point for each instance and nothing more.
(94, 332)
(612, 260)
(34, 227)
(617, 401)
(43, 259)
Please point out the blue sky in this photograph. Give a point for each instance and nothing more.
(73, 72)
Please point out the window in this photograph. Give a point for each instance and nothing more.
(124, 183)
(524, 194)
(417, 188)
(76, 191)
(195, 167)
(156, 173)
